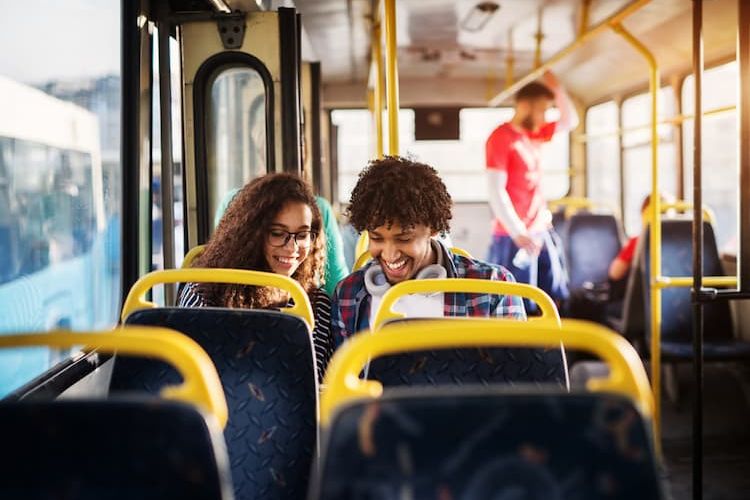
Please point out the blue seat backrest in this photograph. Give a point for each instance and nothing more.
(481, 444)
(592, 243)
(265, 362)
(677, 260)
(470, 366)
(144, 449)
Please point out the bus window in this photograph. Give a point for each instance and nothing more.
(720, 164)
(636, 142)
(603, 154)
(60, 179)
(461, 163)
(236, 139)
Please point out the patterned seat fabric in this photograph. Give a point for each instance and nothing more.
(487, 445)
(470, 366)
(126, 449)
(677, 312)
(265, 362)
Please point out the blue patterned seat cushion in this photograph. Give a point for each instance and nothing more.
(265, 362)
(469, 366)
(488, 445)
(110, 449)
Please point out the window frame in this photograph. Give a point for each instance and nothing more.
(204, 79)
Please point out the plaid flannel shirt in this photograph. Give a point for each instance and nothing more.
(350, 307)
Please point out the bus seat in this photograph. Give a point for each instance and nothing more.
(592, 243)
(631, 320)
(468, 365)
(123, 449)
(265, 362)
(677, 318)
(559, 222)
(487, 442)
(477, 444)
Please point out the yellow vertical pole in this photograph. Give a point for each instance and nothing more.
(539, 36)
(585, 8)
(391, 75)
(377, 57)
(509, 60)
(655, 230)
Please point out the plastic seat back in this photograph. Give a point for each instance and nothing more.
(487, 442)
(265, 362)
(481, 444)
(145, 449)
(470, 366)
(677, 259)
(592, 243)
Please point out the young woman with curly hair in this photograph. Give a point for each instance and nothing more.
(404, 205)
(273, 224)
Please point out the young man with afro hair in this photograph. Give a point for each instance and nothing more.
(404, 205)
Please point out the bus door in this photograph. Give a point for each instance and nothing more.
(241, 107)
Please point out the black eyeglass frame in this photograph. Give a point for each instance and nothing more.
(290, 235)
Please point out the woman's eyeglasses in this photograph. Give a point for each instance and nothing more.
(279, 238)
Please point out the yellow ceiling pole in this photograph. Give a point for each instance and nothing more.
(377, 58)
(509, 61)
(391, 75)
(585, 8)
(580, 40)
(538, 36)
(655, 239)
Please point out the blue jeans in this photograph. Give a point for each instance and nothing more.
(551, 275)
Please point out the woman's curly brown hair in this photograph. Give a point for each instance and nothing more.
(239, 240)
(398, 190)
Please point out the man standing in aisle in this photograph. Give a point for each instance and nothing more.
(522, 237)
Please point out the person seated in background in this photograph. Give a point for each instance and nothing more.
(404, 205)
(336, 266)
(273, 224)
(619, 269)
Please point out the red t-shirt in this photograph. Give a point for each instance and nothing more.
(627, 252)
(519, 154)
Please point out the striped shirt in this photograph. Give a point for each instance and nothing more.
(321, 335)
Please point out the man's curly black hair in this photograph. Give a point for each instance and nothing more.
(397, 190)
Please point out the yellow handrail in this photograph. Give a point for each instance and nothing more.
(136, 298)
(627, 375)
(684, 206)
(201, 385)
(391, 75)
(687, 282)
(655, 240)
(571, 202)
(365, 257)
(193, 254)
(361, 261)
(386, 313)
(602, 26)
(377, 104)
(362, 243)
